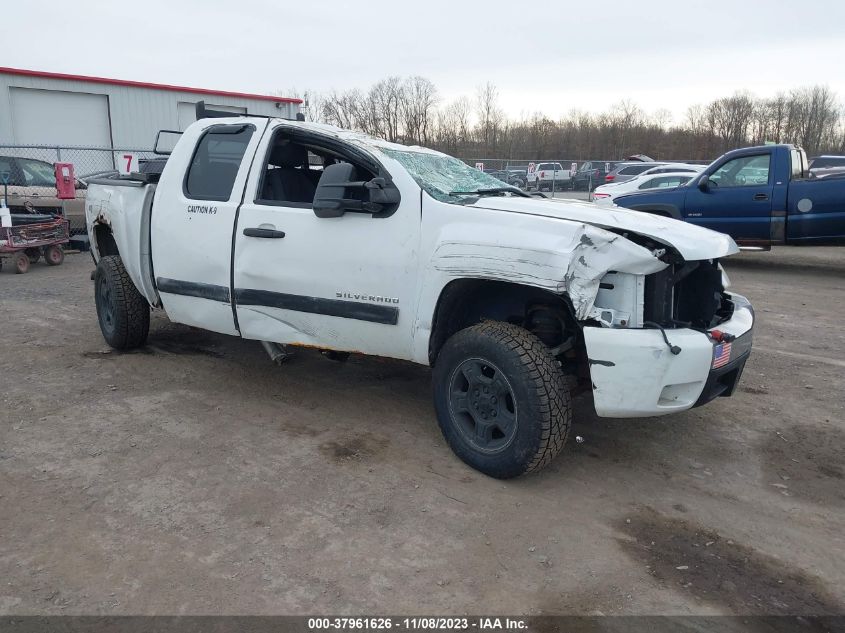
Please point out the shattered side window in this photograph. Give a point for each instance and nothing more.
(440, 175)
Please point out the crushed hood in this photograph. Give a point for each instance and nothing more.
(692, 242)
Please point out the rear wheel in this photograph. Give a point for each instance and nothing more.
(123, 313)
(54, 255)
(502, 401)
(21, 263)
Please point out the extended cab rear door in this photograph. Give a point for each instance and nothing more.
(193, 218)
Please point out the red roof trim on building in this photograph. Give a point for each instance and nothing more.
(143, 84)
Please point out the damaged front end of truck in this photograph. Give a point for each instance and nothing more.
(635, 304)
(666, 340)
(644, 316)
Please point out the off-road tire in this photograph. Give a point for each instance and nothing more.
(124, 314)
(540, 391)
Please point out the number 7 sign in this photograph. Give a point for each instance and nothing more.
(126, 163)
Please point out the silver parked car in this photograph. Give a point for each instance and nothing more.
(628, 170)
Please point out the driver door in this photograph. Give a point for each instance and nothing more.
(346, 283)
(738, 200)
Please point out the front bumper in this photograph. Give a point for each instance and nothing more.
(635, 375)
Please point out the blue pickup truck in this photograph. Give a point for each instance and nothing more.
(760, 196)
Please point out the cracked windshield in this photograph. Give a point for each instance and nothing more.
(445, 178)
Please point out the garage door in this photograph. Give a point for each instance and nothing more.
(187, 112)
(54, 117)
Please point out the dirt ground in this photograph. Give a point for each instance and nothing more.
(195, 477)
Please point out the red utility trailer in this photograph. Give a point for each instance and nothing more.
(28, 239)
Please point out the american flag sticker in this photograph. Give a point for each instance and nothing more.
(721, 355)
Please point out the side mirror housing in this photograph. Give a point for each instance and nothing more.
(339, 191)
(329, 198)
(382, 193)
(704, 184)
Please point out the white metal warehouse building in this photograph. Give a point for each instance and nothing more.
(59, 110)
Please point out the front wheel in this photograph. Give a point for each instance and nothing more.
(123, 312)
(502, 400)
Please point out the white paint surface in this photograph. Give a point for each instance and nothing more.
(412, 255)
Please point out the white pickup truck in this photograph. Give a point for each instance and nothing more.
(294, 233)
(548, 176)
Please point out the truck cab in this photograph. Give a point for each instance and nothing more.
(760, 196)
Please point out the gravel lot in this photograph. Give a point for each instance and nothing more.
(194, 476)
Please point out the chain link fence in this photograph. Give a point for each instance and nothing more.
(560, 175)
(27, 177)
(28, 182)
(557, 172)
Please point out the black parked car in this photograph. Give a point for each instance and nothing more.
(515, 177)
(590, 175)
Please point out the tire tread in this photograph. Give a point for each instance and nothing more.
(545, 381)
(132, 322)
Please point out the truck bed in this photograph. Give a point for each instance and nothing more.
(119, 210)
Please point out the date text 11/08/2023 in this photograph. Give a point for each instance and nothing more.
(417, 623)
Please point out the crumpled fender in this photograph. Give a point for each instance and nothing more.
(596, 253)
(571, 261)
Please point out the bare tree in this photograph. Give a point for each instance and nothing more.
(813, 116)
(490, 116)
(453, 125)
(344, 109)
(662, 118)
(408, 109)
(778, 110)
(730, 118)
(621, 122)
(420, 99)
(386, 98)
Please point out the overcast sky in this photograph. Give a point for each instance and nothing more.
(543, 56)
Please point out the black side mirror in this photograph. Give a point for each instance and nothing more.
(704, 184)
(382, 193)
(332, 200)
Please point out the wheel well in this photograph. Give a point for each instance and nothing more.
(105, 240)
(465, 302)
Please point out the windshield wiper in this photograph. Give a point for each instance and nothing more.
(491, 192)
